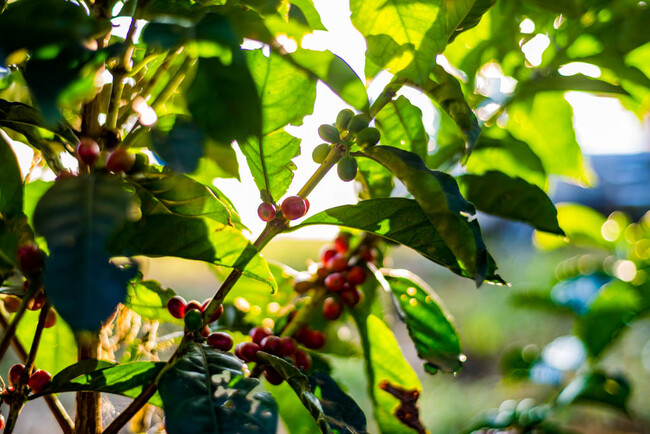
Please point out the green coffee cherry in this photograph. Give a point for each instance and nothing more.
(320, 153)
(193, 320)
(343, 119)
(347, 168)
(368, 137)
(358, 123)
(329, 133)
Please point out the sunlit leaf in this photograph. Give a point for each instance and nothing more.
(582, 226)
(149, 299)
(400, 123)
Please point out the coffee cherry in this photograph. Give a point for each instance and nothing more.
(64, 174)
(271, 345)
(322, 272)
(6, 394)
(288, 346)
(337, 263)
(15, 372)
(193, 305)
(315, 340)
(351, 296)
(294, 207)
(2, 421)
(248, 351)
(205, 331)
(326, 254)
(217, 313)
(120, 160)
(88, 151)
(356, 275)
(266, 211)
(12, 303)
(30, 258)
(303, 282)
(272, 376)
(177, 306)
(334, 282)
(259, 333)
(358, 122)
(346, 168)
(302, 360)
(368, 137)
(329, 133)
(320, 152)
(50, 319)
(332, 308)
(342, 242)
(39, 380)
(368, 254)
(343, 119)
(37, 302)
(303, 334)
(193, 320)
(219, 340)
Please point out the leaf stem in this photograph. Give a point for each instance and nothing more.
(386, 96)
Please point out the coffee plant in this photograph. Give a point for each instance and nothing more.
(138, 129)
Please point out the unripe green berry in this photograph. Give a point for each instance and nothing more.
(368, 137)
(193, 320)
(329, 133)
(358, 123)
(320, 153)
(347, 168)
(343, 119)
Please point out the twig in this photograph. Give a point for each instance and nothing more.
(10, 330)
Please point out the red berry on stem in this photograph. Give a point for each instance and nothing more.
(294, 207)
(322, 272)
(342, 242)
(205, 331)
(315, 340)
(248, 351)
(15, 372)
(332, 308)
(219, 340)
(367, 253)
(302, 335)
(258, 333)
(12, 303)
(2, 421)
(30, 258)
(327, 253)
(334, 282)
(88, 151)
(337, 262)
(271, 345)
(39, 380)
(120, 160)
(356, 275)
(50, 319)
(272, 376)
(37, 302)
(302, 360)
(193, 305)
(351, 296)
(266, 211)
(176, 306)
(217, 313)
(288, 346)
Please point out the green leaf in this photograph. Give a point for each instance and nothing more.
(544, 122)
(582, 226)
(465, 19)
(429, 324)
(402, 36)
(205, 391)
(304, 388)
(512, 198)
(400, 123)
(192, 238)
(11, 182)
(399, 220)
(149, 299)
(564, 83)
(310, 13)
(270, 162)
(128, 379)
(76, 216)
(23, 119)
(376, 180)
(287, 93)
(181, 147)
(597, 387)
(438, 196)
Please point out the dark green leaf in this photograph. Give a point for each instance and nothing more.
(428, 322)
(205, 391)
(438, 196)
(11, 182)
(23, 118)
(597, 387)
(181, 147)
(400, 123)
(512, 198)
(572, 82)
(399, 220)
(76, 216)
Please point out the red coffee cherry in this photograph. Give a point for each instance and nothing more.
(356, 275)
(272, 376)
(315, 340)
(120, 160)
(39, 380)
(294, 207)
(2, 421)
(217, 313)
(334, 282)
(337, 263)
(327, 253)
(271, 345)
(219, 340)
(322, 272)
(15, 372)
(12, 303)
(248, 351)
(193, 305)
(30, 258)
(88, 151)
(342, 242)
(258, 333)
(351, 296)
(332, 308)
(288, 346)
(50, 319)
(177, 306)
(368, 253)
(302, 335)
(37, 302)
(302, 360)
(266, 211)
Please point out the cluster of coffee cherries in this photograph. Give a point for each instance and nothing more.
(37, 382)
(118, 160)
(263, 339)
(348, 129)
(293, 207)
(192, 314)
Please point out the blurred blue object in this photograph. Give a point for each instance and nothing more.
(579, 292)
